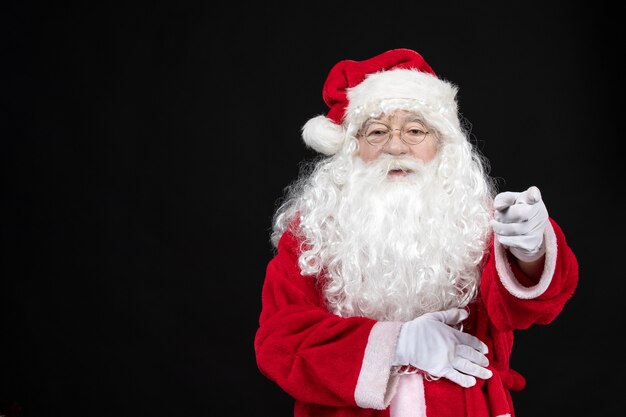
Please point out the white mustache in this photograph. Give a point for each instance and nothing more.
(403, 163)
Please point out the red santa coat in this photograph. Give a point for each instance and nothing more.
(340, 367)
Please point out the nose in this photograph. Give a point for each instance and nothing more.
(395, 145)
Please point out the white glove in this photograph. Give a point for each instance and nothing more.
(519, 222)
(430, 344)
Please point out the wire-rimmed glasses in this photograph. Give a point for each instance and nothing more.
(379, 134)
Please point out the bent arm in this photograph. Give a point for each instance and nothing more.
(516, 300)
(314, 355)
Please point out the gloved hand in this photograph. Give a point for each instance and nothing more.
(519, 222)
(431, 344)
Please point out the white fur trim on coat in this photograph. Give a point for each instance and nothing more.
(377, 385)
(508, 278)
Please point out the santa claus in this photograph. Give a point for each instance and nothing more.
(400, 273)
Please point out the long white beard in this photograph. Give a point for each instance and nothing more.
(394, 248)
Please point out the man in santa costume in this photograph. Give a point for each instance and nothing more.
(400, 274)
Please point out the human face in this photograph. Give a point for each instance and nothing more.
(398, 120)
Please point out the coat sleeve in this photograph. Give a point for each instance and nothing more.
(513, 300)
(314, 355)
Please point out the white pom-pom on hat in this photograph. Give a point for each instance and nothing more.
(323, 135)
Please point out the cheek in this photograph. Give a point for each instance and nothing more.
(367, 154)
(426, 153)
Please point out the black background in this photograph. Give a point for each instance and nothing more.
(146, 145)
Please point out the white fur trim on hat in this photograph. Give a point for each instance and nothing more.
(323, 135)
(408, 89)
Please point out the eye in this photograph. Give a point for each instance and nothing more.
(377, 130)
(415, 130)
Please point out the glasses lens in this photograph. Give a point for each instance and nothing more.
(413, 136)
(377, 135)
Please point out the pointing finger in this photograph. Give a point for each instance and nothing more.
(530, 196)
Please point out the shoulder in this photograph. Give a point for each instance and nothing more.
(292, 238)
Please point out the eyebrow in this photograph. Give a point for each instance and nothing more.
(409, 119)
(416, 119)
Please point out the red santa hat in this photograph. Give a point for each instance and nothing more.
(396, 79)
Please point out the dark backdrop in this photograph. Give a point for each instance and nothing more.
(145, 147)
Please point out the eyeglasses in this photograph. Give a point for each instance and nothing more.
(379, 134)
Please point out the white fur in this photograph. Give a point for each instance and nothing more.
(412, 89)
(323, 135)
(392, 249)
(382, 92)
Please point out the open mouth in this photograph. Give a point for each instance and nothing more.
(394, 172)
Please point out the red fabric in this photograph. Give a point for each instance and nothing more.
(300, 345)
(509, 313)
(348, 73)
(316, 356)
